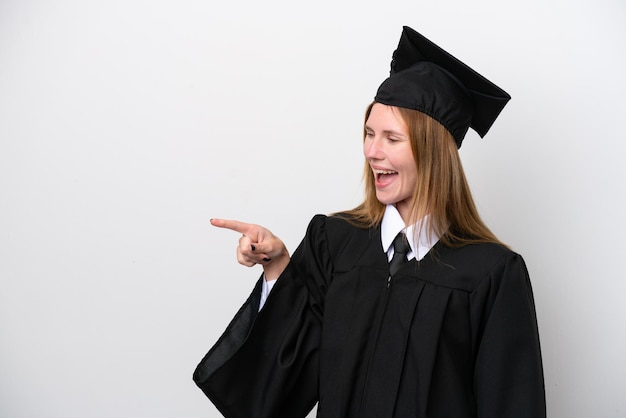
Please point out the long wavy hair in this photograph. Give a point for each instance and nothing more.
(441, 192)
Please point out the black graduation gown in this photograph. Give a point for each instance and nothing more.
(454, 335)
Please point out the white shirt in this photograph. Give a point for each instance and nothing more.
(266, 288)
(392, 223)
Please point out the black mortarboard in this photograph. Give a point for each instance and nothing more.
(424, 77)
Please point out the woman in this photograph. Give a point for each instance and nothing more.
(367, 325)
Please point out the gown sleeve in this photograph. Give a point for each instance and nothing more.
(266, 362)
(508, 376)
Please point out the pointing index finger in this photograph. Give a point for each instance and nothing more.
(233, 225)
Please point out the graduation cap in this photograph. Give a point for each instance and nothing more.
(424, 77)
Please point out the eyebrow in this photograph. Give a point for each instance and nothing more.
(387, 132)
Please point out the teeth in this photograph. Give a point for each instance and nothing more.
(384, 172)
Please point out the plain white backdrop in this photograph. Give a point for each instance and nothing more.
(126, 125)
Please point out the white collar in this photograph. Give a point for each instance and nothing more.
(392, 224)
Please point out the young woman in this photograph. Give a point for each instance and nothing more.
(406, 306)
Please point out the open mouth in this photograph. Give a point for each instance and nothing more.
(381, 175)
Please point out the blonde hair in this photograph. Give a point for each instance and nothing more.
(442, 191)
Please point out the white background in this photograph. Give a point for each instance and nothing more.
(126, 124)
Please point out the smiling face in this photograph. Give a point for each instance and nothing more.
(387, 148)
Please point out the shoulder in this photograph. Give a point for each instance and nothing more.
(336, 225)
(338, 232)
(487, 255)
(472, 265)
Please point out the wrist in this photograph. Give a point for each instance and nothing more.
(274, 268)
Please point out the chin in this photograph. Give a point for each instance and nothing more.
(386, 200)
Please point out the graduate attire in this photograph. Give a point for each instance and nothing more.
(451, 334)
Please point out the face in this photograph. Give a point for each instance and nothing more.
(387, 148)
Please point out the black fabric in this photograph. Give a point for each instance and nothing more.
(400, 250)
(454, 335)
(425, 77)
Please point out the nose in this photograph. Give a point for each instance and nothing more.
(372, 149)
